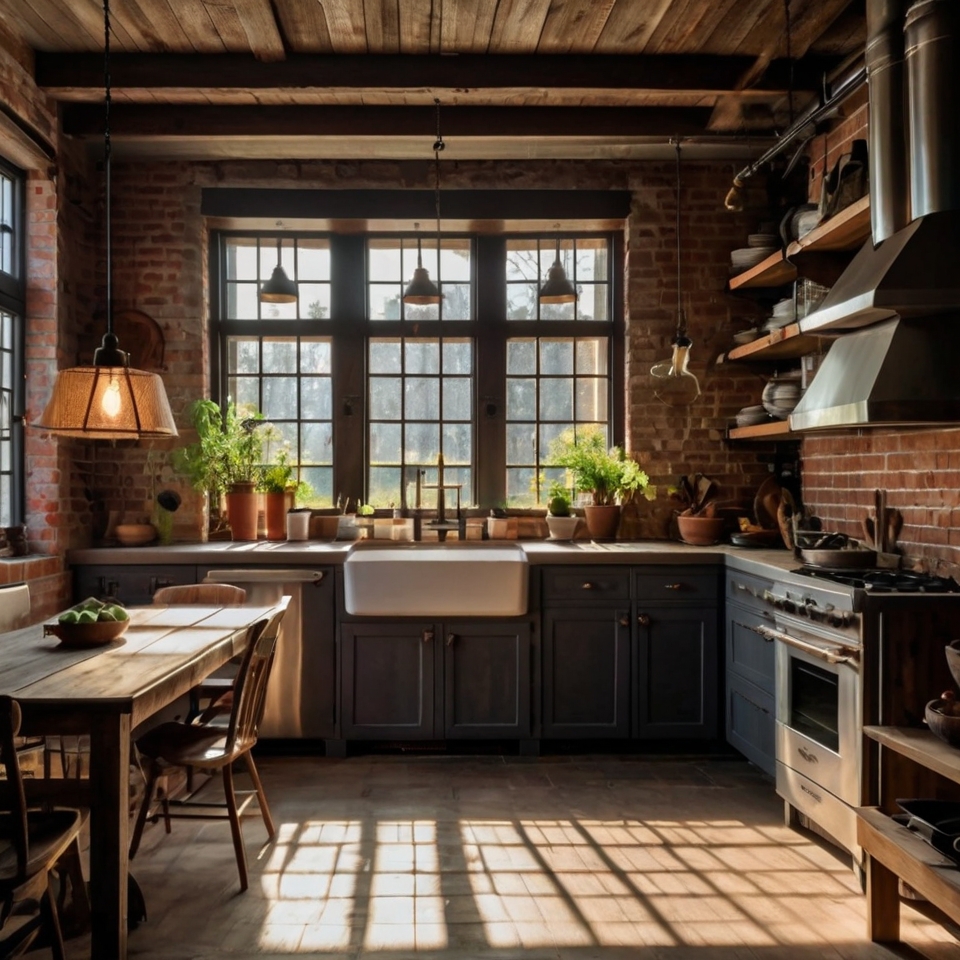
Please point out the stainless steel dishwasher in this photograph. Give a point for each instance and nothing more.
(296, 706)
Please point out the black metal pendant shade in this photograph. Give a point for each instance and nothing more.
(557, 288)
(421, 290)
(279, 288)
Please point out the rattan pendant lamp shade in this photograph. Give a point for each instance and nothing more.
(109, 400)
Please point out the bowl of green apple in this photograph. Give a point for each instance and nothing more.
(91, 623)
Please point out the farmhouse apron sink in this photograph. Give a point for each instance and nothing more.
(435, 580)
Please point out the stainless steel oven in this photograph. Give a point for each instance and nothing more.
(818, 709)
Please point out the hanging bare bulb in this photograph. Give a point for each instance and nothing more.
(674, 384)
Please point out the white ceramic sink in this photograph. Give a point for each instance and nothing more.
(435, 580)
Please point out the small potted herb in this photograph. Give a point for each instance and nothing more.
(560, 523)
(278, 487)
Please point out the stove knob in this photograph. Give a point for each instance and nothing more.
(788, 606)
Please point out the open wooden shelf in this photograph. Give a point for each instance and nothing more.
(842, 233)
(774, 430)
(896, 853)
(787, 343)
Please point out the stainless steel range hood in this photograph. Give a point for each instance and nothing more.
(900, 372)
(901, 293)
(914, 273)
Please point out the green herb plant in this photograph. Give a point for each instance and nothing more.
(558, 502)
(609, 475)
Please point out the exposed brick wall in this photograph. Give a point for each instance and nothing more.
(919, 469)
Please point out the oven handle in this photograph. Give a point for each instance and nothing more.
(821, 653)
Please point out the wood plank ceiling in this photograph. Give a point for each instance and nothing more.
(358, 77)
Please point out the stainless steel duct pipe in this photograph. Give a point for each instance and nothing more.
(932, 53)
(889, 210)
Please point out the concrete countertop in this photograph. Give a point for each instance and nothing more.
(539, 552)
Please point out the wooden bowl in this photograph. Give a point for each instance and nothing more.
(135, 534)
(946, 727)
(86, 634)
(952, 651)
(700, 531)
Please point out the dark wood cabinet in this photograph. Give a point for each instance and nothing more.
(676, 671)
(751, 722)
(586, 672)
(486, 675)
(387, 683)
(132, 585)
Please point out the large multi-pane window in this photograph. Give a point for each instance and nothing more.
(366, 393)
(12, 295)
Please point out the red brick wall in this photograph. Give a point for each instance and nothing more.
(919, 469)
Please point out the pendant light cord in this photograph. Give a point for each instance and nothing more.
(681, 325)
(106, 157)
(438, 145)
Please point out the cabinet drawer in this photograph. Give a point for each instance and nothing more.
(132, 585)
(683, 584)
(751, 724)
(746, 589)
(748, 654)
(586, 583)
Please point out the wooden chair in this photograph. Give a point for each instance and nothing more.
(215, 747)
(215, 594)
(14, 614)
(31, 844)
(221, 594)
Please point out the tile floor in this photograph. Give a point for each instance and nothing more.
(603, 858)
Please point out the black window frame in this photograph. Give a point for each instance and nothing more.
(350, 328)
(13, 300)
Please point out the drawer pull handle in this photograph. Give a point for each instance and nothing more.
(672, 586)
(451, 639)
(427, 636)
(624, 621)
(644, 620)
(808, 756)
(588, 586)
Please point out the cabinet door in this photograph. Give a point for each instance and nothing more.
(586, 672)
(486, 679)
(387, 682)
(751, 723)
(676, 672)
(131, 585)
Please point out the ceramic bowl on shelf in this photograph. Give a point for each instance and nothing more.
(700, 531)
(745, 336)
(944, 725)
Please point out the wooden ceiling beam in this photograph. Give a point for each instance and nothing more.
(72, 74)
(161, 120)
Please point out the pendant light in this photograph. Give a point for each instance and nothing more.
(557, 288)
(279, 288)
(674, 384)
(422, 291)
(109, 400)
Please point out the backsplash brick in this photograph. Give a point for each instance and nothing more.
(919, 469)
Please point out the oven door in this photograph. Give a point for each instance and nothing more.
(818, 706)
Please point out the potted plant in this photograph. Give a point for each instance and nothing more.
(698, 523)
(278, 487)
(608, 475)
(560, 523)
(223, 461)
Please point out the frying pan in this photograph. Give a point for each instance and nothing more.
(837, 559)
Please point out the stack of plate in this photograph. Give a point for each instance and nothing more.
(780, 397)
(750, 416)
(784, 312)
(747, 257)
(766, 240)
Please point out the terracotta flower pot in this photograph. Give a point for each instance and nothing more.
(275, 508)
(602, 522)
(700, 531)
(242, 511)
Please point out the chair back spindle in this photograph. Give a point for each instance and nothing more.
(9, 726)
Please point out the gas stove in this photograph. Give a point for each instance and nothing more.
(884, 581)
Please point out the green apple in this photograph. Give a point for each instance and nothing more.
(71, 616)
(87, 616)
(106, 616)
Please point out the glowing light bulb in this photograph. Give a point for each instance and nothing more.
(674, 384)
(110, 403)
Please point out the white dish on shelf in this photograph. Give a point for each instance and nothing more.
(745, 336)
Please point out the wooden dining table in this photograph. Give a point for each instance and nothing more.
(106, 692)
